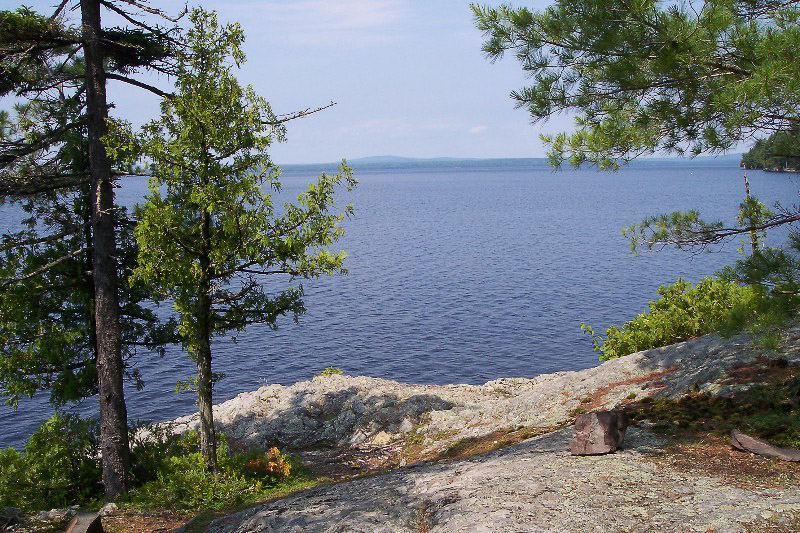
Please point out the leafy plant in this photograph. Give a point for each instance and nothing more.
(59, 467)
(182, 480)
(330, 371)
(681, 313)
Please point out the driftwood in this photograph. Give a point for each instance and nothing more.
(85, 523)
(746, 443)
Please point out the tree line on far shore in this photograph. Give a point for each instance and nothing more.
(780, 152)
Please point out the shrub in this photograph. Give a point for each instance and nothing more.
(681, 313)
(272, 466)
(330, 371)
(151, 445)
(59, 467)
(181, 480)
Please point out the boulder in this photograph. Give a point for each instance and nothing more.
(598, 433)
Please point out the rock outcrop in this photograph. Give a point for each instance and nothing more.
(358, 411)
(536, 485)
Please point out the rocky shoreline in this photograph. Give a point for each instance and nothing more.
(533, 485)
(357, 411)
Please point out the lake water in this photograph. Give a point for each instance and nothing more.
(460, 273)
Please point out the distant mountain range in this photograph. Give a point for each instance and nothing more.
(393, 161)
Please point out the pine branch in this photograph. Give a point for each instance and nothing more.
(16, 186)
(153, 11)
(286, 117)
(137, 83)
(9, 244)
(10, 281)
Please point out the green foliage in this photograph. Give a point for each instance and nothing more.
(59, 467)
(209, 163)
(330, 371)
(47, 322)
(641, 77)
(774, 269)
(22, 57)
(682, 312)
(689, 230)
(208, 232)
(779, 151)
(182, 481)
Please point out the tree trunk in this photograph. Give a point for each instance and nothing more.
(113, 414)
(208, 440)
(88, 267)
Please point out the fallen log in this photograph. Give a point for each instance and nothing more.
(746, 443)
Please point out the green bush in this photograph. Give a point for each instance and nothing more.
(330, 371)
(181, 480)
(681, 313)
(59, 467)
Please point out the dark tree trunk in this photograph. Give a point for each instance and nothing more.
(208, 440)
(113, 414)
(88, 268)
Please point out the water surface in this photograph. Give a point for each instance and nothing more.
(460, 273)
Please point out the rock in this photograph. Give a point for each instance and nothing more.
(85, 523)
(107, 509)
(532, 486)
(56, 515)
(598, 433)
(380, 439)
(746, 443)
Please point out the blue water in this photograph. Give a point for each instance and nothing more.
(460, 273)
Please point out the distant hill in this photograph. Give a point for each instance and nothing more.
(389, 162)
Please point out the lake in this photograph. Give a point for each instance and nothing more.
(460, 272)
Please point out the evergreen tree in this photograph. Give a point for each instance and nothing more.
(646, 77)
(47, 327)
(208, 234)
(37, 57)
(649, 76)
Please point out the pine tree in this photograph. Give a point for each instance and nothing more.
(37, 57)
(646, 77)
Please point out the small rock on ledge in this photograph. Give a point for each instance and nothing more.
(598, 433)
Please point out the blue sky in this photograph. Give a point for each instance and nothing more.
(408, 78)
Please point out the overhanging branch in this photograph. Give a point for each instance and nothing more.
(137, 83)
(286, 117)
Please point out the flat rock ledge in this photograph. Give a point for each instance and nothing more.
(532, 486)
(362, 412)
(535, 485)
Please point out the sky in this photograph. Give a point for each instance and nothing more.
(408, 78)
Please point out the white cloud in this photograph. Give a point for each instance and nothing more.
(317, 22)
(475, 130)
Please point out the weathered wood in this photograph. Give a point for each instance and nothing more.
(746, 443)
(85, 523)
